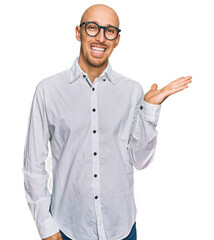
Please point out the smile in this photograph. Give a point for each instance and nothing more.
(98, 49)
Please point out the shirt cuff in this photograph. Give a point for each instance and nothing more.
(151, 112)
(47, 228)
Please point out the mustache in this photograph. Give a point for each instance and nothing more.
(100, 44)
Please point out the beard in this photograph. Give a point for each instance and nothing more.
(93, 63)
(96, 65)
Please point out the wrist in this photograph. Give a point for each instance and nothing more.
(152, 101)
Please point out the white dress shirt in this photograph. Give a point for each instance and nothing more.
(98, 132)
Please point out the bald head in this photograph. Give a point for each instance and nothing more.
(102, 13)
(95, 49)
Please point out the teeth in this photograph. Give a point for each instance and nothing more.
(98, 49)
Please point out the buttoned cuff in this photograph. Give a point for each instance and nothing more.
(47, 228)
(150, 112)
(146, 112)
(38, 198)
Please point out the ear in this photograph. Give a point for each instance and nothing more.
(117, 40)
(77, 31)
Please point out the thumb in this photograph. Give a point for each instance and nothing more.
(154, 86)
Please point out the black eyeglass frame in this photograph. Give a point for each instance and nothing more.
(86, 23)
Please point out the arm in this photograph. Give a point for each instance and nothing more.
(35, 174)
(143, 137)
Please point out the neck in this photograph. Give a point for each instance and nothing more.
(92, 71)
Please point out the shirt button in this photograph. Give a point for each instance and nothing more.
(141, 107)
(94, 131)
(95, 175)
(93, 109)
(93, 88)
(104, 79)
(84, 76)
(96, 197)
(95, 153)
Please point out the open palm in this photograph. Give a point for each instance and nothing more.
(157, 96)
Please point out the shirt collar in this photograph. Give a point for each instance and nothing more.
(76, 71)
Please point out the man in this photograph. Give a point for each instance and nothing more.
(99, 125)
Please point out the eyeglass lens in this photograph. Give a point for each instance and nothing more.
(92, 29)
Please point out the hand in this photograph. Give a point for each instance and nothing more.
(155, 96)
(56, 236)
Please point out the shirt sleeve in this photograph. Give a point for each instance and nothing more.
(35, 174)
(143, 136)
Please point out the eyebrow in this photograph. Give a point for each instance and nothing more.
(100, 25)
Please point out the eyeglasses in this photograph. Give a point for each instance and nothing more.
(93, 29)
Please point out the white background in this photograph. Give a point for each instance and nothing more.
(160, 41)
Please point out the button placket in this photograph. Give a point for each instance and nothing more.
(95, 161)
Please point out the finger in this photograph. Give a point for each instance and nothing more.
(172, 91)
(154, 86)
(180, 80)
(180, 84)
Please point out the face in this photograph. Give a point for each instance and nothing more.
(95, 51)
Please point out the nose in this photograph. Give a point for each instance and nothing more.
(100, 36)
